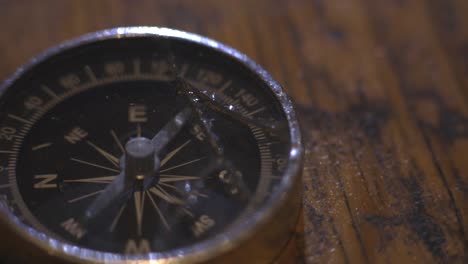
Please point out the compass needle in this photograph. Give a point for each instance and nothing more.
(148, 145)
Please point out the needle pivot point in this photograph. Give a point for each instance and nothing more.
(139, 159)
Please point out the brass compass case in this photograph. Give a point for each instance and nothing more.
(258, 232)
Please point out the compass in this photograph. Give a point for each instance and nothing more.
(142, 144)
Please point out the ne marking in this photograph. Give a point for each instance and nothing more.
(90, 73)
(41, 146)
(20, 119)
(85, 196)
(48, 91)
(94, 165)
(7, 151)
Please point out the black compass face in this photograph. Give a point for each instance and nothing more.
(139, 145)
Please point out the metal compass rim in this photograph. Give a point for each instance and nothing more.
(210, 248)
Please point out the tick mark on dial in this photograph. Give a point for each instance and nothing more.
(90, 73)
(17, 118)
(49, 91)
(41, 146)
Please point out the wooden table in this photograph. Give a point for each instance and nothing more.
(382, 90)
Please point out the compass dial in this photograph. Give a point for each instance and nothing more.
(141, 144)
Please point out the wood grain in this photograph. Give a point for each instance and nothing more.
(381, 87)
